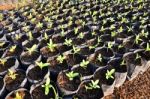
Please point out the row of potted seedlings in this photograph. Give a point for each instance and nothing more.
(72, 49)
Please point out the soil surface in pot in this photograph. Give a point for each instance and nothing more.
(14, 84)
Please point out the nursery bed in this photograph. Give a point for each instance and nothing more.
(75, 50)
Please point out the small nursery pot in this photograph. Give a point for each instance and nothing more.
(84, 72)
(2, 88)
(27, 59)
(35, 74)
(94, 59)
(11, 63)
(24, 93)
(16, 53)
(57, 38)
(85, 50)
(55, 67)
(73, 59)
(66, 86)
(38, 92)
(19, 82)
(107, 53)
(22, 38)
(107, 84)
(84, 93)
(62, 47)
(45, 51)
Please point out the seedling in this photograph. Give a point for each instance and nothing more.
(120, 29)
(12, 48)
(137, 39)
(110, 73)
(76, 30)
(32, 49)
(112, 27)
(92, 85)
(110, 44)
(143, 33)
(18, 96)
(102, 29)
(71, 75)
(3, 61)
(81, 35)
(61, 58)
(39, 25)
(137, 56)
(99, 58)
(51, 45)
(84, 63)
(2, 44)
(62, 33)
(123, 62)
(12, 74)
(45, 36)
(76, 50)
(17, 36)
(42, 65)
(30, 35)
(113, 34)
(47, 86)
(147, 47)
(68, 42)
(1, 16)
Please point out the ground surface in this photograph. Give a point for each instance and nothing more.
(127, 91)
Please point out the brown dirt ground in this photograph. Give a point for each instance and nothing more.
(139, 88)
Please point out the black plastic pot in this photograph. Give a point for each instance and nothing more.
(11, 63)
(21, 91)
(2, 88)
(66, 86)
(107, 84)
(19, 82)
(35, 74)
(37, 91)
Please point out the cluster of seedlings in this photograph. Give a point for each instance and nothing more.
(72, 50)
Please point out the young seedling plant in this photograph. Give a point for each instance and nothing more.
(42, 65)
(92, 85)
(109, 74)
(84, 64)
(51, 45)
(32, 49)
(47, 86)
(3, 61)
(19, 96)
(71, 75)
(61, 58)
(12, 74)
(68, 42)
(12, 48)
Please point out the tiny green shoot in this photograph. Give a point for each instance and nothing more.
(92, 85)
(42, 65)
(71, 75)
(84, 63)
(110, 73)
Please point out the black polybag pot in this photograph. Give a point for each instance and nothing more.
(15, 65)
(33, 81)
(41, 91)
(107, 85)
(82, 93)
(12, 94)
(13, 86)
(64, 91)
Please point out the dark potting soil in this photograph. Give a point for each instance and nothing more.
(15, 84)
(65, 83)
(9, 63)
(47, 53)
(36, 73)
(26, 57)
(39, 93)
